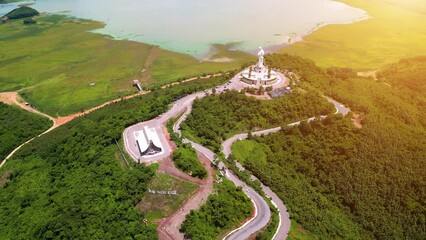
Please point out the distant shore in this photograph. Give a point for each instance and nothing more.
(287, 39)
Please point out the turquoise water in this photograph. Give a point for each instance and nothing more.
(191, 26)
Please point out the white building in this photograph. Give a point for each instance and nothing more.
(148, 142)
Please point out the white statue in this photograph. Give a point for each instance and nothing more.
(261, 57)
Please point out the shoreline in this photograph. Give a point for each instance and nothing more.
(288, 39)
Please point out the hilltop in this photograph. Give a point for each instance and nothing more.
(21, 12)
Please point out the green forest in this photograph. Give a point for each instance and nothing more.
(218, 117)
(345, 182)
(18, 126)
(222, 212)
(185, 157)
(407, 73)
(338, 180)
(70, 183)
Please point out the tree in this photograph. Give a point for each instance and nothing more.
(29, 21)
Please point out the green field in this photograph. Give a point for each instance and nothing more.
(248, 150)
(396, 30)
(157, 206)
(53, 63)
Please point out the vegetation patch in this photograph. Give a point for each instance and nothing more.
(217, 117)
(408, 73)
(248, 150)
(4, 178)
(298, 233)
(21, 12)
(306, 204)
(157, 206)
(222, 212)
(185, 158)
(18, 126)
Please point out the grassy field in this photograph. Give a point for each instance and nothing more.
(248, 149)
(53, 63)
(298, 233)
(169, 66)
(157, 206)
(396, 30)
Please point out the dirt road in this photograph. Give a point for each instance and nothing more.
(168, 229)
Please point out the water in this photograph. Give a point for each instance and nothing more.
(191, 26)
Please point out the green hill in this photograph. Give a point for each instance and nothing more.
(408, 73)
(338, 181)
(22, 12)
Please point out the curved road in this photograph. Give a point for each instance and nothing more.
(262, 211)
(284, 225)
(12, 98)
(262, 215)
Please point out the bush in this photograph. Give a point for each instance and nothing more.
(186, 159)
(222, 211)
(29, 21)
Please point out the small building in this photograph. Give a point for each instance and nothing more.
(137, 84)
(148, 142)
(279, 92)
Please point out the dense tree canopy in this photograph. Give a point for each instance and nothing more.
(186, 159)
(22, 12)
(223, 211)
(338, 181)
(407, 73)
(344, 182)
(68, 184)
(218, 117)
(17, 126)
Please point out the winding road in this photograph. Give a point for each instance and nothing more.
(184, 105)
(11, 98)
(262, 212)
(284, 225)
(262, 209)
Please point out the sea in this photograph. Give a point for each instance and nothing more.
(193, 26)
